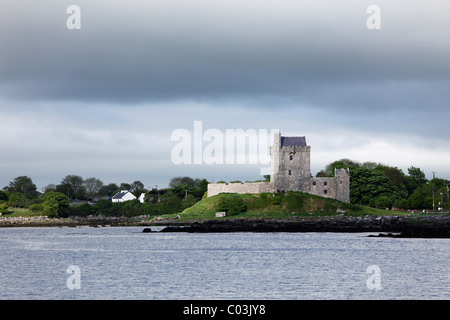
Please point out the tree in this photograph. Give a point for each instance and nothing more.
(188, 201)
(56, 204)
(367, 185)
(3, 208)
(50, 187)
(72, 186)
(231, 204)
(3, 196)
(18, 200)
(125, 186)
(181, 180)
(92, 186)
(415, 179)
(109, 190)
(339, 164)
(137, 188)
(24, 185)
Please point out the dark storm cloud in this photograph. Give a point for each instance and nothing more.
(169, 50)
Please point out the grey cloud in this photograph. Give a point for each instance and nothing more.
(157, 50)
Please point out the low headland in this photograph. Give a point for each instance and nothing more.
(290, 212)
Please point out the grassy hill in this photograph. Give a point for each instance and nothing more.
(273, 205)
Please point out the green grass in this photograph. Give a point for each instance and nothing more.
(21, 212)
(281, 206)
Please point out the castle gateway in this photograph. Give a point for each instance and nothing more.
(290, 170)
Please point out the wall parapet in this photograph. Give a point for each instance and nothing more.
(237, 187)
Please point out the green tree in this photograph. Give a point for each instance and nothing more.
(231, 204)
(181, 180)
(24, 185)
(188, 201)
(415, 179)
(338, 164)
(137, 187)
(417, 199)
(3, 208)
(367, 185)
(18, 200)
(109, 190)
(56, 204)
(3, 196)
(72, 186)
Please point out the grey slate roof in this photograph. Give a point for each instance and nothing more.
(293, 142)
(119, 195)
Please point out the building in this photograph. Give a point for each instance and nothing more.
(290, 170)
(122, 196)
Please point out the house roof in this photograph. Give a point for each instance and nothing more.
(293, 142)
(119, 195)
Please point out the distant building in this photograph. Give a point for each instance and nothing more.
(290, 171)
(122, 196)
(141, 198)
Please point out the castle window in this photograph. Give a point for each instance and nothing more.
(325, 191)
(289, 172)
(290, 157)
(314, 183)
(325, 183)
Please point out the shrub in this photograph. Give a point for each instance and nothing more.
(103, 204)
(36, 207)
(276, 199)
(56, 204)
(232, 204)
(82, 210)
(18, 200)
(294, 201)
(383, 202)
(4, 208)
(3, 195)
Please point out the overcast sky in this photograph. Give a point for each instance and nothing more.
(104, 100)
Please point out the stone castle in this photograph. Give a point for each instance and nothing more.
(290, 171)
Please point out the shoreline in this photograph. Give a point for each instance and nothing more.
(387, 226)
(427, 226)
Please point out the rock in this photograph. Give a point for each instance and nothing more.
(221, 214)
(340, 211)
(146, 230)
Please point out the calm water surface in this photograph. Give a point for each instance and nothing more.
(123, 263)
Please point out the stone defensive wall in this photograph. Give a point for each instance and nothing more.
(248, 187)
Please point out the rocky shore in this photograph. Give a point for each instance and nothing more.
(44, 221)
(436, 226)
(427, 226)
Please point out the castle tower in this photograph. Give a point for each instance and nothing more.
(290, 164)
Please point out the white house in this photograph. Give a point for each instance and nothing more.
(122, 196)
(141, 197)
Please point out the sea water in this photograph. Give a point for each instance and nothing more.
(124, 263)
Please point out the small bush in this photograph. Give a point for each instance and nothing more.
(81, 210)
(276, 199)
(18, 200)
(4, 208)
(232, 205)
(36, 207)
(294, 201)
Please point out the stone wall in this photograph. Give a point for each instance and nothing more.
(324, 187)
(249, 187)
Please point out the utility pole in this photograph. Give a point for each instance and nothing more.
(433, 192)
